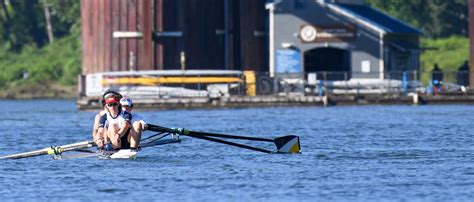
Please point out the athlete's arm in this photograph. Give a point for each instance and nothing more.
(98, 133)
(127, 118)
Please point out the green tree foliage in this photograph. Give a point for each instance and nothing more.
(449, 53)
(445, 28)
(58, 62)
(26, 57)
(435, 18)
(66, 16)
(23, 22)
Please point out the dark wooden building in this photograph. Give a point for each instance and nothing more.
(471, 42)
(121, 35)
(259, 35)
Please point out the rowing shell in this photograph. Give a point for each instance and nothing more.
(120, 154)
(289, 144)
(86, 151)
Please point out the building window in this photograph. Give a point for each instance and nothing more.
(300, 4)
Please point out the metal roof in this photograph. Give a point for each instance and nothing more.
(376, 18)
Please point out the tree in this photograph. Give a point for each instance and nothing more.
(24, 22)
(435, 18)
(49, 25)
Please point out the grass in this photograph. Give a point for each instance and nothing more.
(449, 53)
(45, 71)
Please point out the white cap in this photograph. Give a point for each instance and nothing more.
(126, 101)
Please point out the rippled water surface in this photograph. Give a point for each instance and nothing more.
(349, 153)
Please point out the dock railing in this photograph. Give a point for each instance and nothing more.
(225, 83)
(348, 83)
(165, 83)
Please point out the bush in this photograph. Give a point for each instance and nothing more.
(56, 63)
(449, 53)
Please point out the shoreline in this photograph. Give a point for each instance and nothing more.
(32, 92)
(85, 103)
(54, 91)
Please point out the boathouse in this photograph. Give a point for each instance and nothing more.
(126, 35)
(200, 45)
(259, 35)
(340, 36)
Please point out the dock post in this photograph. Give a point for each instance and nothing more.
(415, 98)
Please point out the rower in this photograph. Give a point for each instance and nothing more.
(116, 125)
(99, 138)
(138, 124)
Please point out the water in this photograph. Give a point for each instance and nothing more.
(349, 153)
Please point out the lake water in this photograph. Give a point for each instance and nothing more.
(349, 153)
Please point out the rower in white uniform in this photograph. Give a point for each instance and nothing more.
(99, 139)
(138, 124)
(115, 125)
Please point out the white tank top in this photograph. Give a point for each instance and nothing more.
(122, 117)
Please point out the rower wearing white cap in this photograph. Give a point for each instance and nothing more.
(138, 124)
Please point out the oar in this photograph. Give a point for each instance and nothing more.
(230, 143)
(231, 136)
(52, 150)
(285, 144)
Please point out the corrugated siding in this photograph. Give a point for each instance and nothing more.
(201, 23)
(102, 52)
(167, 19)
(471, 36)
(253, 35)
(198, 21)
(204, 46)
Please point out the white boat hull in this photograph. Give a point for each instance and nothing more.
(124, 154)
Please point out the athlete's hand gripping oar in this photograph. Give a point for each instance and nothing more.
(285, 144)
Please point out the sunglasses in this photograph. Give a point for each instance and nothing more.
(112, 104)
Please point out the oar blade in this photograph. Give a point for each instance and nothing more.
(288, 144)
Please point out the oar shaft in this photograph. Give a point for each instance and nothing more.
(285, 144)
(230, 136)
(196, 133)
(160, 129)
(231, 143)
(26, 154)
(67, 147)
(79, 147)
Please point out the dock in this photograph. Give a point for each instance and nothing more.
(279, 101)
(198, 89)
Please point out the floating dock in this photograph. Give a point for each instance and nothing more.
(193, 89)
(278, 101)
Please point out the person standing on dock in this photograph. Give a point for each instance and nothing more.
(437, 78)
(99, 138)
(138, 124)
(463, 74)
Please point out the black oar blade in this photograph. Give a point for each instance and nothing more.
(288, 144)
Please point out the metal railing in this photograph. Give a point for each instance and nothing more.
(214, 84)
(394, 82)
(164, 83)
